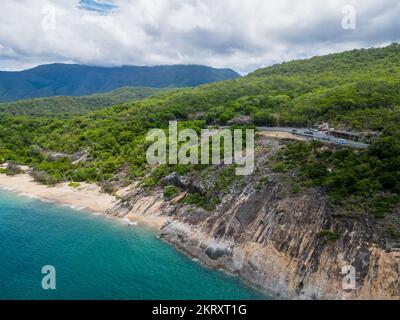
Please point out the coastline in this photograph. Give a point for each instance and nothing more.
(88, 197)
(259, 265)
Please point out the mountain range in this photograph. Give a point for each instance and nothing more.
(78, 80)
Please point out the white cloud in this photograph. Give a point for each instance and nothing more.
(241, 34)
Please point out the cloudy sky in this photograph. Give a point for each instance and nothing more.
(239, 34)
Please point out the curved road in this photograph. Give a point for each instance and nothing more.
(316, 135)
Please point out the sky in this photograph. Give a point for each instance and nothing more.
(240, 34)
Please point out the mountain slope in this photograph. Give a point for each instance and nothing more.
(58, 106)
(298, 93)
(78, 80)
(362, 98)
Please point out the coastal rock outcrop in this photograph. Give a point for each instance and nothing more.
(276, 245)
(290, 246)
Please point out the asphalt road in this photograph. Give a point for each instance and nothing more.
(317, 135)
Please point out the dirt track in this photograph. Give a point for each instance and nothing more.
(282, 135)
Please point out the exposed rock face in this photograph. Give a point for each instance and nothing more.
(276, 246)
(275, 241)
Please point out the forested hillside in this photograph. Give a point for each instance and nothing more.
(354, 90)
(59, 106)
(78, 80)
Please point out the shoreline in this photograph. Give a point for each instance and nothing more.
(89, 198)
(86, 197)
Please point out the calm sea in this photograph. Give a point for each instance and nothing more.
(97, 258)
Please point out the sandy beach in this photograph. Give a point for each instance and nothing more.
(86, 197)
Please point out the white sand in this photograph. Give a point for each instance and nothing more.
(85, 197)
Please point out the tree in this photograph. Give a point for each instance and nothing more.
(264, 118)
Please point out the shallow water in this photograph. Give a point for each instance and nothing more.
(97, 258)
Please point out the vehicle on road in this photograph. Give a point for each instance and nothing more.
(341, 141)
(310, 133)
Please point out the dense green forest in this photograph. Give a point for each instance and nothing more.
(66, 106)
(357, 90)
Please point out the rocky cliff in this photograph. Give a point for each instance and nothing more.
(291, 246)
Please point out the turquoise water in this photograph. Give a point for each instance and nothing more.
(97, 258)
